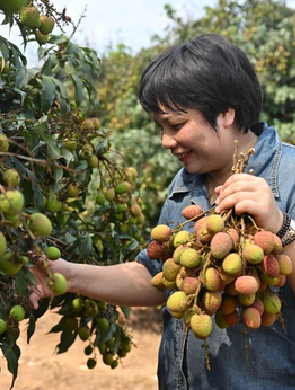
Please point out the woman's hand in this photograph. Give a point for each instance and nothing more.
(252, 195)
(41, 288)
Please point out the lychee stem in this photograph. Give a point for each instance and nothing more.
(207, 358)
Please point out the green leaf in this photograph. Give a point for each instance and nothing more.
(58, 174)
(85, 247)
(21, 282)
(66, 340)
(12, 363)
(48, 93)
(78, 88)
(126, 311)
(48, 139)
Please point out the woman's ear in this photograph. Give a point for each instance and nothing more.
(227, 118)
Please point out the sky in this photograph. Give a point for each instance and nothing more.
(132, 22)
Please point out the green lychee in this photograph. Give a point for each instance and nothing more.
(285, 263)
(84, 333)
(77, 305)
(211, 279)
(201, 325)
(3, 244)
(73, 190)
(47, 24)
(17, 313)
(181, 238)
(11, 178)
(41, 38)
(30, 17)
(53, 205)
(110, 194)
(3, 326)
(214, 223)
(12, 6)
(161, 233)
(190, 258)
(52, 253)
(232, 264)
(4, 143)
(100, 199)
(8, 265)
(91, 363)
(59, 284)
(253, 254)
(272, 303)
(171, 270)
(177, 302)
(40, 225)
(11, 202)
(102, 323)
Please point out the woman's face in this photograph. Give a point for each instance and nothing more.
(193, 141)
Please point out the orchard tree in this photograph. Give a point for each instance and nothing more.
(63, 189)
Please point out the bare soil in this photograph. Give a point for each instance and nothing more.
(41, 369)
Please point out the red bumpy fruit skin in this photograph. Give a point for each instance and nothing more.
(221, 245)
(155, 250)
(271, 266)
(265, 240)
(252, 318)
(246, 284)
(192, 211)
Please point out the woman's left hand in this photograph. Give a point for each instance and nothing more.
(252, 195)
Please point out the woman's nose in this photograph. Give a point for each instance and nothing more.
(168, 141)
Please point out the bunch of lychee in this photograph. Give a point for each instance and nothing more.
(227, 268)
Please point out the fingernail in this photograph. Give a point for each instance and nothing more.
(217, 200)
(217, 210)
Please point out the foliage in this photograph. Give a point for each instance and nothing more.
(62, 185)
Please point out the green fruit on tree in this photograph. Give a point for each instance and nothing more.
(30, 17)
(11, 178)
(73, 190)
(11, 6)
(77, 304)
(3, 244)
(102, 348)
(59, 284)
(71, 323)
(91, 308)
(91, 363)
(53, 205)
(114, 364)
(52, 253)
(3, 326)
(47, 24)
(102, 305)
(87, 125)
(93, 162)
(110, 194)
(41, 38)
(70, 144)
(102, 323)
(88, 350)
(4, 143)
(100, 199)
(11, 202)
(17, 313)
(108, 359)
(39, 224)
(8, 265)
(84, 333)
(12, 220)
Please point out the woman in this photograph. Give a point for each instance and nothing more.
(205, 95)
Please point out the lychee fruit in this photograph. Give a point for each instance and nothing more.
(201, 233)
(84, 333)
(30, 17)
(190, 284)
(201, 325)
(53, 205)
(58, 284)
(157, 281)
(8, 265)
(17, 312)
(3, 326)
(161, 233)
(211, 279)
(11, 178)
(272, 303)
(181, 238)
(190, 258)
(234, 235)
(211, 301)
(220, 320)
(232, 319)
(11, 202)
(42, 39)
(214, 223)
(3, 244)
(246, 284)
(192, 211)
(252, 318)
(177, 302)
(110, 194)
(170, 270)
(73, 190)
(285, 263)
(40, 225)
(155, 250)
(271, 266)
(228, 304)
(265, 240)
(221, 245)
(9, 7)
(278, 248)
(268, 319)
(47, 24)
(246, 299)
(52, 253)
(177, 253)
(258, 305)
(253, 254)
(232, 264)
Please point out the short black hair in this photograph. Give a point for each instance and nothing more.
(209, 74)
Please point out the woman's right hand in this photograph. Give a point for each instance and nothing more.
(41, 289)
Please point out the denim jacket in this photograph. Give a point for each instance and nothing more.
(270, 361)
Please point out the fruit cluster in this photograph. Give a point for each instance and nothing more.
(227, 268)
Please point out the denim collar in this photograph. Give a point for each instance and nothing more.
(268, 150)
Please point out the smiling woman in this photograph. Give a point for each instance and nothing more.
(205, 95)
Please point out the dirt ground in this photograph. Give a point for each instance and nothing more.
(41, 369)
